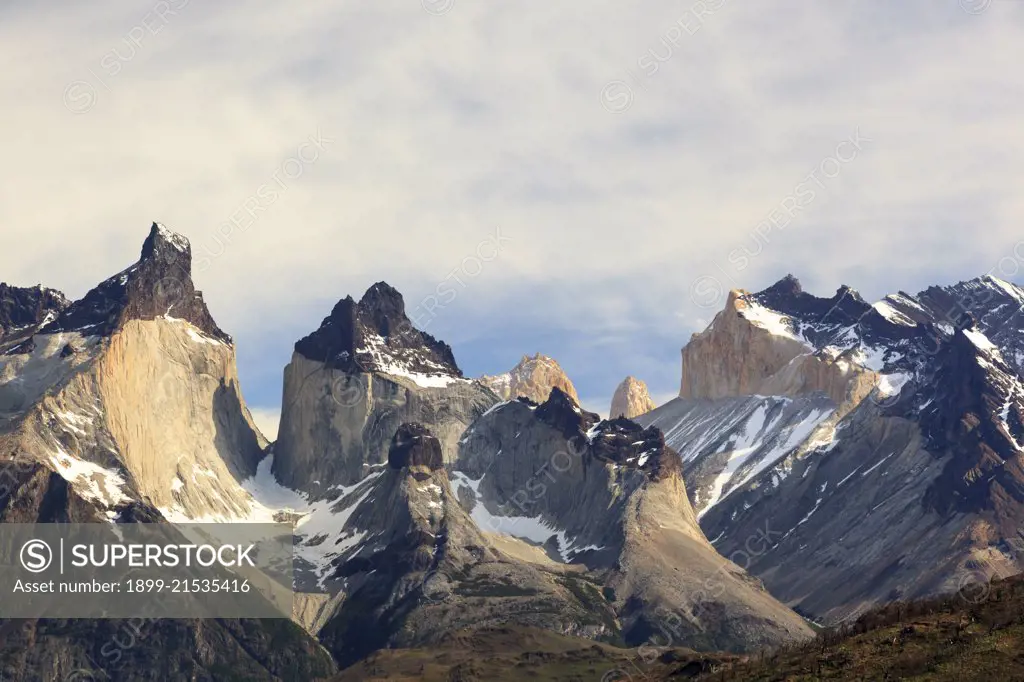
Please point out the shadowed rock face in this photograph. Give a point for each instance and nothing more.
(787, 296)
(375, 334)
(175, 650)
(426, 569)
(27, 307)
(623, 442)
(354, 381)
(414, 446)
(609, 495)
(980, 417)
(158, 285)
(561, 412)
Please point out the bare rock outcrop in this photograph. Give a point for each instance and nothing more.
(126, 400)
(737, 352)
(886, 457)
(363, 373)
(532, 378)
(631, 399)
(429, 570)
(609, 496)
(22, 308)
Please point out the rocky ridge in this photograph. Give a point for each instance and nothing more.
(609, 496)
(26, 308)
(532, 378)
(879, 439)
(355, 380)
(127, 400)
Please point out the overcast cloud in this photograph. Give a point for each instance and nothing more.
(637, 159)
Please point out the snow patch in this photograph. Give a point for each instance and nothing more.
(377, 349)
(981, 342)
(896, 317)
(532, 529)
(769, 320)
(91, 481)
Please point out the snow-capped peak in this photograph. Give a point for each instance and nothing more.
(178, 241)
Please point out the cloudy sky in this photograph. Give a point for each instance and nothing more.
(632, 161)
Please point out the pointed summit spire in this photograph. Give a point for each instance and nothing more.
(375, 334)
(162, 241)
(385, 306)
(159, 285)
(787, 286)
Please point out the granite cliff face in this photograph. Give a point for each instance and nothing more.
(532, 378)
(124, 407)
(631, 399)
(429, 570)
(843, 453)
(751, 349)
(884, 452)
(355, 380)
(609, 496)
(127, 401)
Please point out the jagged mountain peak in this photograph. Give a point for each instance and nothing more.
(23, 308)
(376, 335)
(533, 378)
(561, 411)
(163, 241)
(786, 296)
(365, 371)
(386, 305)
(415, 446)
(611, 500)
(919, 436)
(787, 286)
(158, 285)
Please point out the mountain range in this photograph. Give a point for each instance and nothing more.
(825, 456)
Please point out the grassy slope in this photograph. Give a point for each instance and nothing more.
(513, 654)
(962, 638)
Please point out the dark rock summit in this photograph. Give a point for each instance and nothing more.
(355, 380)
(624, 442)
(375, 334)
(22, 307)
(816, 317)
(414, 446)
(976, 412)
(158, 285)
(561, 412)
